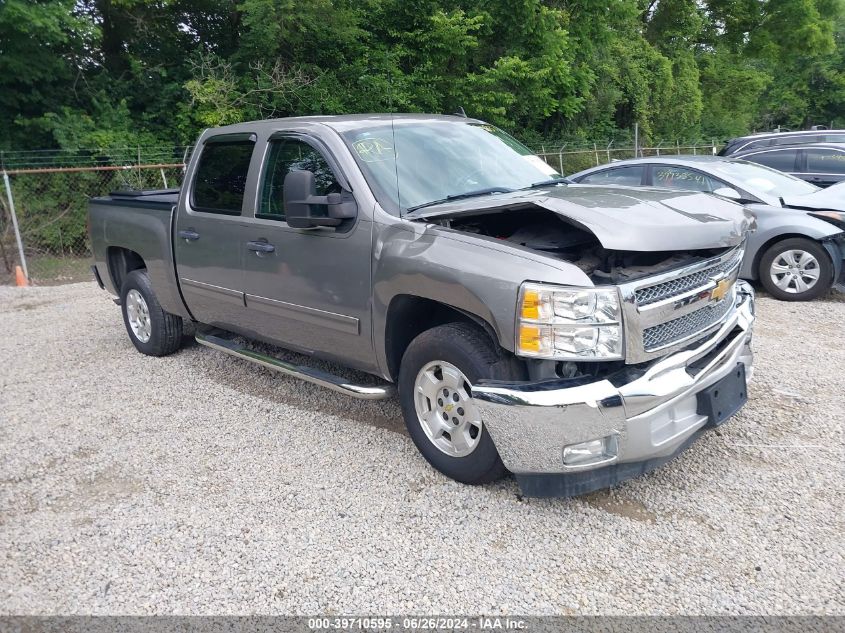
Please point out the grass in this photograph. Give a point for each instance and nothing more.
(52, 271)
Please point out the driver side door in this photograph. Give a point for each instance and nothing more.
(307, 289)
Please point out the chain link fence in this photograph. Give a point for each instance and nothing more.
(50, 192)
(568, 159)
(51, 205)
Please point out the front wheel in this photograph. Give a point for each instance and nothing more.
(796, 269)
(435, 389)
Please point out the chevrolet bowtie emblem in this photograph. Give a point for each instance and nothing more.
(718, 293)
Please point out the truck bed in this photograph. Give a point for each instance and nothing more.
(124, 223)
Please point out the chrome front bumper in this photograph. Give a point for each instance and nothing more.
(649, 412)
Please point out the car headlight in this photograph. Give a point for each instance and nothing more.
(833, 217)
(563, 323)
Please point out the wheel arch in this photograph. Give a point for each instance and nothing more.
(408, 316)
(771, 241)
(122, 261)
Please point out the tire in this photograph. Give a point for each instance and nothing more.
(470, 350)
(162, 330)
(801, 268)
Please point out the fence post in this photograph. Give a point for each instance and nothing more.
(163, 177)
(608, 151)
(636, 139)
(15, 223)
(596, 150)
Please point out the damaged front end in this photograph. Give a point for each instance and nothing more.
(613, 234)
(627, 372)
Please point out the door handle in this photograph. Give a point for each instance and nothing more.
(189, 235)
(260, 247)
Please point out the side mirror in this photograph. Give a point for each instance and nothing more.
(302, 206)
(728, 192)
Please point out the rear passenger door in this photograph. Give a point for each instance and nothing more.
(823, 166)
(207, 241)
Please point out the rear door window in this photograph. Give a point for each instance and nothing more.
(825, 161)
(682, 178)
(631, 175)
(780, 159)
(222, 170)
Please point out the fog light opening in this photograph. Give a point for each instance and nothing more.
(591, 452)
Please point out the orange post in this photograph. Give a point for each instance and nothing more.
(20, 278)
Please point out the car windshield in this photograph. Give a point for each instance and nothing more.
(757, 178)
(416, 163)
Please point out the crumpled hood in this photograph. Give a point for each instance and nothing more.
(623, 218)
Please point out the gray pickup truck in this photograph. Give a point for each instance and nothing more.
(574, 335)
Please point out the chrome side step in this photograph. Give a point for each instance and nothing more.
(309, 374)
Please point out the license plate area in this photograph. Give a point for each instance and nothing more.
(724, 398)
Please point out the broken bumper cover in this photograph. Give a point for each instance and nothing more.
(614, 428)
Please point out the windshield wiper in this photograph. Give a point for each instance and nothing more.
(552, 181)
(460, 196)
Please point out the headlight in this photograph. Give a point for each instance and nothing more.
(834, 217)
(563, 323)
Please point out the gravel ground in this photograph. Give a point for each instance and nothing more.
(202, 484)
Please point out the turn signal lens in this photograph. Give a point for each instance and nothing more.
(531, 305)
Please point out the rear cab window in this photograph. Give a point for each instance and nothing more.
(221, 174)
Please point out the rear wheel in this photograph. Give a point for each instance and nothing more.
(152, 331)
(796, 269)
(435, 389)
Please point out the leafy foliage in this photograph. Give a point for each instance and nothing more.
(99, 73)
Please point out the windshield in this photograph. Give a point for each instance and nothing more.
(434, 160)
(757, 178)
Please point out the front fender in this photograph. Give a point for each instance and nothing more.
(478, 275)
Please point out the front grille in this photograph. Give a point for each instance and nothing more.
(678, 329)
(680, 285)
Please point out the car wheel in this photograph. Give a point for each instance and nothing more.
(435, 389)
(152, 331)
(796, 269)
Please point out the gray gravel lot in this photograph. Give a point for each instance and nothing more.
(199, 483)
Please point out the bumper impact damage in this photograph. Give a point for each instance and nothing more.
(572, 436)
